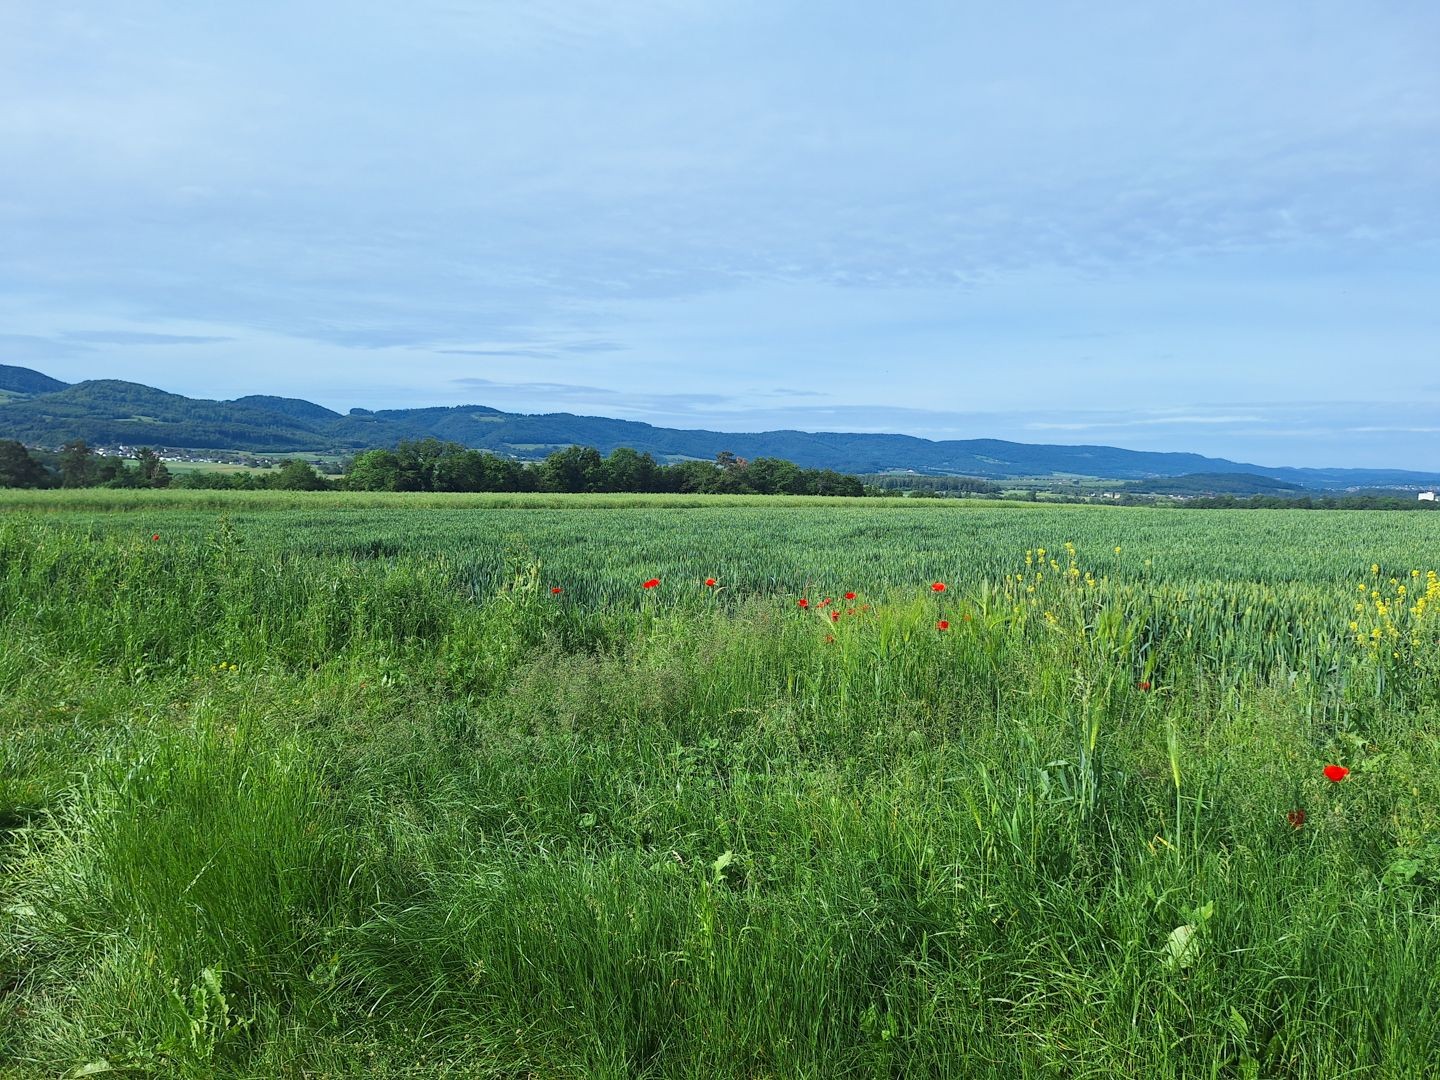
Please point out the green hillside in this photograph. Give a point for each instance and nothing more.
(20, 380)
(109, 412)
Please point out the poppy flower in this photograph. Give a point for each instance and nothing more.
(834, 616)
(939, 586)
(849, 596)
(1296, 818)
(710, 581)
(829, 639)
(942, 625)
(555, 590)
(650, 584)
(803, 602)
(155, 537)
(1336, 773)
(1143, 684)
(826, 602)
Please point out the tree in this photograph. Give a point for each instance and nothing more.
(18, 469)
(505, 474)
(628, 470)
(111, 472)
(689, 477)
(463, 471)
(374, 470)
(77, 464)
(153, 472)
(297, 475)
(576, 468)
(774, 476)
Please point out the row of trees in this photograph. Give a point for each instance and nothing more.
(922, 486)
(77, 465)
(1307, 502)
(432, 465)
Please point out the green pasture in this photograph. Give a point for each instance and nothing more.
(341, 785)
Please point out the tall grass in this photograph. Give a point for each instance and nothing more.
(296, 808)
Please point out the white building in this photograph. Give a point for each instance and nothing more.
(1426, 496)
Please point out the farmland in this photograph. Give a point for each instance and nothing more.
(344, 784)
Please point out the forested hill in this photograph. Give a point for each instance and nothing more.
(19, 380)
(41, 411)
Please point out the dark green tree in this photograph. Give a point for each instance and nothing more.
(628, 470)
(77, 464)
(576, 468)
(691, 477)
(297, 475)
(18, 469)
(774, 476)
(153, 472)
(374, 470)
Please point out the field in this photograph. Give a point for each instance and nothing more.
(434, 786)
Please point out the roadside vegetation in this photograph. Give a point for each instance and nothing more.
(348, 784)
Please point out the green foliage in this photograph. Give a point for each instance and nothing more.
(330, 786)
(18, 469)
(432, 466)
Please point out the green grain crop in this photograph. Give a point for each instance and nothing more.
(356, 785)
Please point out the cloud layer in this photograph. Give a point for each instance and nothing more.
(1051, 212)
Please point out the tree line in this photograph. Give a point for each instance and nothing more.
(432, 465)
(78, 465)
(1375, 501)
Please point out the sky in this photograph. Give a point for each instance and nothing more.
(1211, 227)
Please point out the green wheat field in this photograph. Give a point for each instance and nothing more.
(326, 785)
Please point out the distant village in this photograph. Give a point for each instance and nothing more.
(221, 457)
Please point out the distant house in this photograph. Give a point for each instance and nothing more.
(1426, 496)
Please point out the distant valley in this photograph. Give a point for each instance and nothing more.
(42, 411)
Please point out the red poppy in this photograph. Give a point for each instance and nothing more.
(942, 625)
(829, 639)
(826, 602)
(1336, 773)
(555, 590)
(650, 584)
(709, 581)
(834, 616)
(1143, 684)
(1296, 818)
(155, 537)
(849, 596)
(803, 602)
(939, 586)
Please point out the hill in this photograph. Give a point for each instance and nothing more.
(21, 380)
(109, 412)
(1217, 484)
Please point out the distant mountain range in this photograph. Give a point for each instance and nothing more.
(41, 411)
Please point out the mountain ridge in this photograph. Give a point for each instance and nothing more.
(108, 412)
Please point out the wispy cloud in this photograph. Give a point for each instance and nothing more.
(34, 348)
(550, 388)
(1143, 421)
(659, 206)
(542, 396)
(135, 337)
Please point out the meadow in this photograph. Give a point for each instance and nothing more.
(327, 785)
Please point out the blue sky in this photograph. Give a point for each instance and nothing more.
(1181, 226)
